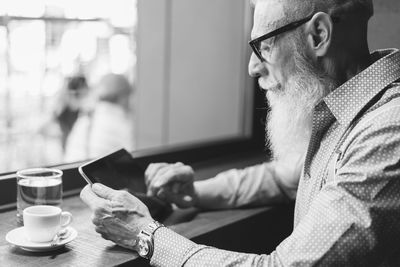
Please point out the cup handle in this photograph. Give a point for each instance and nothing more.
(67, 216)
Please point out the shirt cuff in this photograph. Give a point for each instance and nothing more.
(171, 249)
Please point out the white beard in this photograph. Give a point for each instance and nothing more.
(290, 119)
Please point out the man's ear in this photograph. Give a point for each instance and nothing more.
(319, 34)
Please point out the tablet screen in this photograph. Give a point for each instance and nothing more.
(117, 170)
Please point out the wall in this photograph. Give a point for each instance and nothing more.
(192, 71)
(151, 72)
(192, 67)
(384, 26)
(205, 69)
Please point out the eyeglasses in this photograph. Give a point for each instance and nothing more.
(255, 44)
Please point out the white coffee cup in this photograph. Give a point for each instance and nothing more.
(43, 222)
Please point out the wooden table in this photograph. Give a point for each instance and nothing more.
(89, 249)
(238, 230)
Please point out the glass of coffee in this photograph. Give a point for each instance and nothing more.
(38, 186)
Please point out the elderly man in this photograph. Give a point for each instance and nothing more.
(334, 129)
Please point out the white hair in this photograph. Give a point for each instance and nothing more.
(290, 118)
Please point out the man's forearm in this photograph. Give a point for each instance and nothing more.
(257, 185)
(209, 195)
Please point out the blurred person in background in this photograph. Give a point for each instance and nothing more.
(108, 125)
(69, 103)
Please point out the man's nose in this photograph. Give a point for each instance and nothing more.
(256, 67)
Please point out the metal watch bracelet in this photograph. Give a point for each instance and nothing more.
(145, 241)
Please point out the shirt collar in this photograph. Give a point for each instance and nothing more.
(350, 98)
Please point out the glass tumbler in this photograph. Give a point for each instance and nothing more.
(38, 186)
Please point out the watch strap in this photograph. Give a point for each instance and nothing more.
(146, 239)
(153, 226)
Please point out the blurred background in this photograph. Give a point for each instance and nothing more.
(72, 87)
(52, 53)
(81, 78)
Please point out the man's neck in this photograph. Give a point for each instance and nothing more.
(352, 63)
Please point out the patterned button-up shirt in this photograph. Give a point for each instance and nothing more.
(348, 199)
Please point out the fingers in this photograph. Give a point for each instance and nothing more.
(91, 199)
(156, 169)
(104, 191)
(180, 199)
(171, 183)
(176, 173)
(152, 170)
(173, 197)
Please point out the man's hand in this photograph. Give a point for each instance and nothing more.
(117, 215)
(171, 182)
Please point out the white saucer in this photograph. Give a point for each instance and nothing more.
(17, 238)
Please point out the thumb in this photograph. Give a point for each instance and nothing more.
(104, 191)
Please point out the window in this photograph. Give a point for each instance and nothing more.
(187, 89)
(42, 45)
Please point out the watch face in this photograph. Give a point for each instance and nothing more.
(143, 248)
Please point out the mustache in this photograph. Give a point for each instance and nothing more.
(273, 87)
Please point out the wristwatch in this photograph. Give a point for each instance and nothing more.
(145, 240)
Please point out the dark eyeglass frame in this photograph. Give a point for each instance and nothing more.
(291, 26)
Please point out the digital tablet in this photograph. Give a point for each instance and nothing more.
(119, 170)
